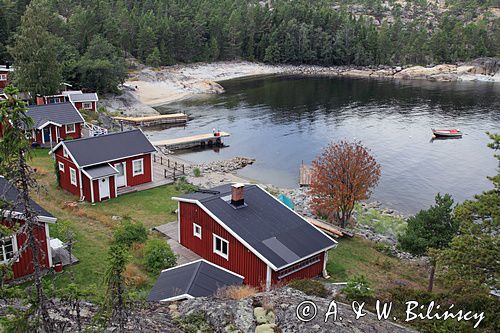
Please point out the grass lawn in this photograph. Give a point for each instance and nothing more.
(93, 224)
(359, 256)
(93, 228)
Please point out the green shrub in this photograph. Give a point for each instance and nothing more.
(194, 323)
(183, 186)
(310, 287)
(197, 172)
(357, 288)
(158, 256)
(129, 233)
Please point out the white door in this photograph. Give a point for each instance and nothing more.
(104, 188)
(121, 177)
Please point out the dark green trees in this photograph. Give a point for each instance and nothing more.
(429, 230)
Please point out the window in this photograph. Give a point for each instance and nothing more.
(8, 248)
(221, 246)
(72, 176)
(65, 153)
(61, 166)
(70, 128)
(138, 167)
(87, 106)
(3, 77)
(197, 230)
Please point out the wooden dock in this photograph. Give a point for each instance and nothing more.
(304, 175)
(173, 118)
(200, 140)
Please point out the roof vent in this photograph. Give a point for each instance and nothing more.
(237, 194)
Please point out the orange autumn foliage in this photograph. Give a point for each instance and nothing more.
(342, 175)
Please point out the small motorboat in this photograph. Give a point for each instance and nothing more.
(446, 133)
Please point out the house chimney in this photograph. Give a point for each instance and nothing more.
(237, 194)
(39, 100)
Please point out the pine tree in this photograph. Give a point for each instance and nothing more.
(35, 51)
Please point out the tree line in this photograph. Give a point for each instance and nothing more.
(85, 42)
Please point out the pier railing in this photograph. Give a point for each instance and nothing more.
(169, 167)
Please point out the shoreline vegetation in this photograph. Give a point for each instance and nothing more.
(147, 87)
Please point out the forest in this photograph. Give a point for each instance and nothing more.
(74, 38)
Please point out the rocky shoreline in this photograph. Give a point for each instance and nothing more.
(148, 87)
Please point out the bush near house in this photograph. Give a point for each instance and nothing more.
(357, 288)
(129, 233)
(158, 256)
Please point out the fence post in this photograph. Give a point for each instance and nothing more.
(164, 173)
(168, 162)
(183, 169)
(174, 174)
(161, 160)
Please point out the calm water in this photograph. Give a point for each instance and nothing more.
(281, 121)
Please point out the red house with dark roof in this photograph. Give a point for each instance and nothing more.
(95, 168)
(11, 246)
(246, 230)
(55, 122)
(84, 101)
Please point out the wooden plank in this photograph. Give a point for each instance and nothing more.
(304, 175)
(190, 140)
(155, 120)
(325, 226)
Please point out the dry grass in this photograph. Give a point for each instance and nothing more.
(236, 292)
(134, 277)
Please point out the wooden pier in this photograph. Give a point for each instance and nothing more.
(304, 175)
(200, 140)
(174, 118)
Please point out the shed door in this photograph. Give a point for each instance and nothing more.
(46, 134)
(120, 178)
(104, 188)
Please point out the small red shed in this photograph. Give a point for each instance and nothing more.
(246, 230)
(84, 101)
(5, 72)
(11, 245)
(95, 168)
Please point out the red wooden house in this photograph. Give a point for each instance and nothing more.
(95, 168)
(12, 247)
(55, 122)
(5, 71)
(246, 230)
(84, 101)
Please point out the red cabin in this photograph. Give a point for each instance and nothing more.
(95, 168)
(12, 244)
(53, 123)
(5, 72)
(246, 230)
(87, 101)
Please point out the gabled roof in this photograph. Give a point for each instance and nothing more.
(9, 195)
(87, 97)
(59, 113)
(274, 232)
(196, 279)
(106, 148)
(100, 170)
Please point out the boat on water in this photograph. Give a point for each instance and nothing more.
(446, 133)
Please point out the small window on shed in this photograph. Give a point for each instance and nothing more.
(8, 248)
(138, 167)
(61, 166)
(72, 176)
(197, 230)
(221, 246)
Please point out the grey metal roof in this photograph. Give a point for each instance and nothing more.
(60, 113)
(197, 279)
(269, 227)
(87, 97)
(100, 170)
(9, 196)
(109, 147)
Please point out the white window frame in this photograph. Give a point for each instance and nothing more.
(72, 172)
(73, 130)
(87, 105)
(65, 153)
(137, 173)
(3, 77)
(219, 252)
(196, 233)
(3, 258)
(61, 166)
